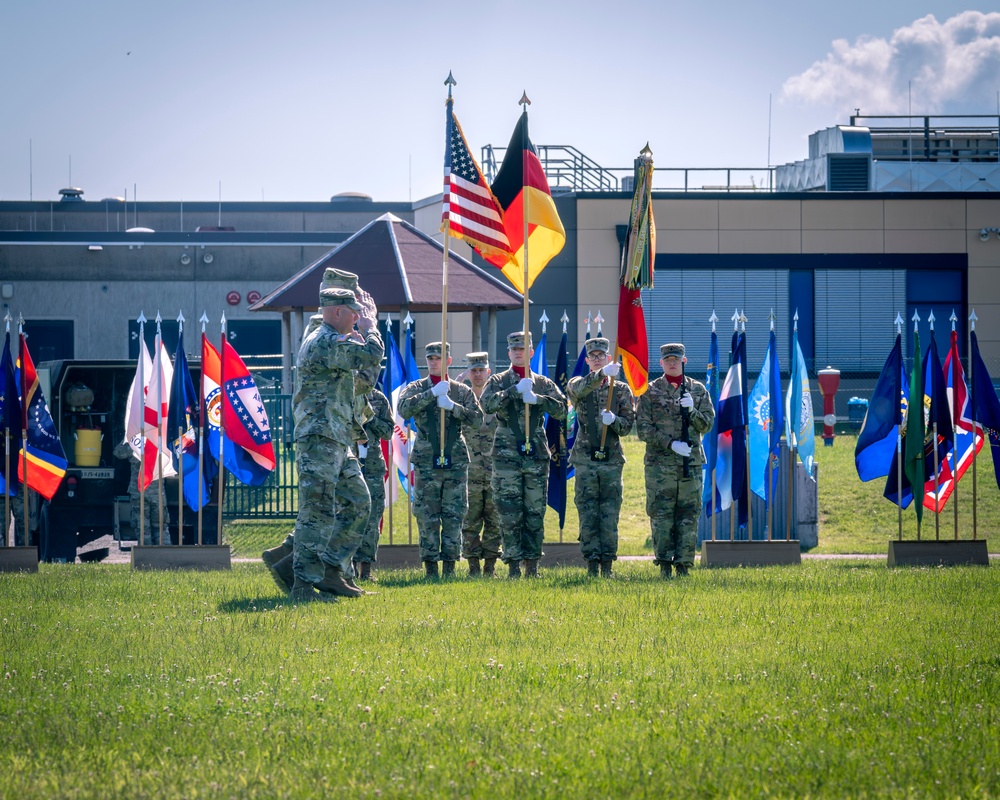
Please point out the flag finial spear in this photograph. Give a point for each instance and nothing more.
(931, 318)
(7, 319)
(222, 322)
(449, 82)
(646, 153)
(408, 320)
(973, 318)
(898, 322)
(180, 320)
(388, 320)
(915, 318)
(743, 322)
(544, 319)
(588, 320)
(772, 317)
(20, 322)
(713, 319)
(524, 101)
(736, 320)
(203, 319)
(953, 319)
(795, 320)
(564, 319)
(599, 320)
(142, 319)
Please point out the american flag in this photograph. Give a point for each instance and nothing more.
(470, 211)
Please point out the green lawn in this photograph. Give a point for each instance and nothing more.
(832, 679)
(853, 516)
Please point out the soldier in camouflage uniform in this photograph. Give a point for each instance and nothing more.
(598, 484)
(279, 559)
(149, 532)
(16, 519)
(440, 481)
(373, 468)
(329, 473)
(521, 463)
(481, 529)
(673, 501)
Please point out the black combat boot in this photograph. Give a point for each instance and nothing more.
(474, 568)
(681, 569)
(367, 572)
(430, 569)
(282, 572)
(531, 568)
(514, 569)
(489, 568)
(592, 568)
(447, 569)
(335, 582)
(665, 571)
(303, 592)
(606, 567)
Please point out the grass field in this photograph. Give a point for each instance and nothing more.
(838, 678)
(853, 516)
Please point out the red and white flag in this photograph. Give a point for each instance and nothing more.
(152, 381)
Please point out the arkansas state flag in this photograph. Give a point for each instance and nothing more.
(248, 451)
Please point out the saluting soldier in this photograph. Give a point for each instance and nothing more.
(323, 408)
(440, 477)
(373, 468)
(481, 529)
(521, 458)
(674, 405)
(598, 485)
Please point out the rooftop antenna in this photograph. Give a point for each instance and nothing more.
(220, 203)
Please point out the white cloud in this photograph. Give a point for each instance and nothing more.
(953, 67)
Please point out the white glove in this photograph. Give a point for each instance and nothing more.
(440, 388)
(687, 401)
(607, 417)
(612, 369)
(681, 448)
(362, 450)
(524, 385)
(446, 402)
(530, 397)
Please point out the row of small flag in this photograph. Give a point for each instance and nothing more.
(937, 446)
(162, 429)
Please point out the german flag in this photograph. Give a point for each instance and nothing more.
(523, 192)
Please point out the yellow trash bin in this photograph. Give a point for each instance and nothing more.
(88, 447)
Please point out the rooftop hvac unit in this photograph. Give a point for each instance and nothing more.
(848, 172)
(628, 184)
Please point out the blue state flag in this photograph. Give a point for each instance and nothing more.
(183, 427)
(10, 422)
(555, 435)
(766, 424)
(712, 439)
(540, 361)
(876, 447)
(800, 430)
(985, 406)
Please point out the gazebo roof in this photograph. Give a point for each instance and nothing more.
(400, 267)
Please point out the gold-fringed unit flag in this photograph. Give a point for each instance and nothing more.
(638, 257)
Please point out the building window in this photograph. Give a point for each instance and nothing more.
(49, 339)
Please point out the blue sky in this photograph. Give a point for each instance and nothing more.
(301, 100)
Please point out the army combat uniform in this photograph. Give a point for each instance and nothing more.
(598, 483)
(148, 533)
(520, 472)
(440, 495)
(329, 472)
(673, 502)
(481, 529)
(373, 468)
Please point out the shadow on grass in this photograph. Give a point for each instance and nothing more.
(253, 605)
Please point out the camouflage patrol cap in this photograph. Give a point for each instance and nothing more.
(339, 297)
(516, 340)
(598, 343)
(434, 349)
(478, 360)
(674, 349)
(339, 279)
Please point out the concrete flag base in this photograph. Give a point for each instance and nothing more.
(939, 553)
(200, 557)
(750, 554)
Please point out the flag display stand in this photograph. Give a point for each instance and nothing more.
(938, 553)
(723, 553)
(18, 559)
(197, 557)
(562, 554)
(398, 556)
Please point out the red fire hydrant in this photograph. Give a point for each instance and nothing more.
(829, 382)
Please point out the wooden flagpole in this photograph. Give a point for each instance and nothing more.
(222, 426)
(743, 324)
(734, 507)
(954, 428)
(934, 437)
(715, 511)
(899, 446)
(24, 429)
(180, 446)
(160, 497)
(524, 102)
(975, 425)
(6, 466)
(142, 430)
